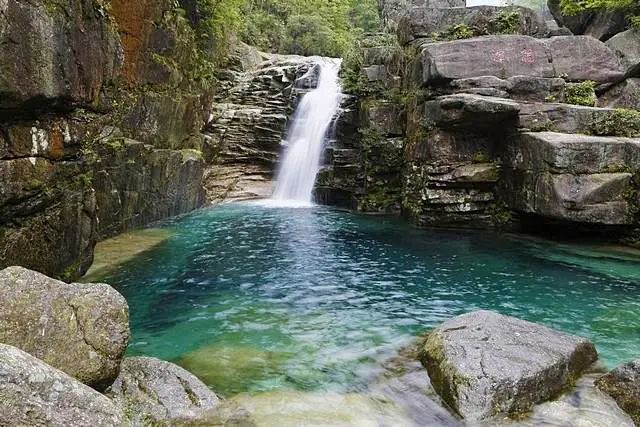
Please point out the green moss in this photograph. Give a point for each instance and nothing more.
(622, 122)
(116, 144)
(481, 157)
(80, 182)
(581, 93)
(35, 184)
(190, 154)
(500, 213)
(71, 272)
(617, 168)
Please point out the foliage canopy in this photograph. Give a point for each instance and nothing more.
(304, 27)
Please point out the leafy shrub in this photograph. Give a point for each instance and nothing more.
(581, 94)
(629, 7)
(622, 122)
(507, 22)
(455, 32)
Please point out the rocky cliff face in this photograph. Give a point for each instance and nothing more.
(513, 130)
(99, 127)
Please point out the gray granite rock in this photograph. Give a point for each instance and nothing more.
(154, 392)
(584, 58)
(467, 110)
(33, 393)
(627, 46)
(623, 384)
(498, 56)
(623, 95)
(556, 117)
(485, 364)
(420, 22)
(571, 177)
(81, 329)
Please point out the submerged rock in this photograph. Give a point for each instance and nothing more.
(229, 369)
(33, 393)
(289, 408)
(623, 384)
(151, 391)
(82, 330)
(484, 364)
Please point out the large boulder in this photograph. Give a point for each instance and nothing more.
(484, 364)
(507, 56)
(623, 95)
(623, 384)
(393, 10)
(627, 46)
(572, 177)
(584, 58)
(55, 54)
(498, 56)
(81, 329)
(564, 118)
(602, 24)
(33, 393)
(421, 22)
(467, 110)
(151, 391)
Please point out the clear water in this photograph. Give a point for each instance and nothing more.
(307, 136)
(254, 299)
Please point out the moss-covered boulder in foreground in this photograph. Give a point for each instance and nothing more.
(81, 329)
(33, 393)
(484, 364)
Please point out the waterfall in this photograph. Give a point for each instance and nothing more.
(306, 138)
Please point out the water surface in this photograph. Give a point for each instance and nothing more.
(254, 299)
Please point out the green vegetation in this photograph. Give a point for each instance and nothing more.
(456, 32)
(581, 94)
(481, 157)
(506, 22)
(621, 122)
(629, 7)
(379, 48)
(306, 27)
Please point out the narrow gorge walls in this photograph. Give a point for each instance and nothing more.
(99, 126)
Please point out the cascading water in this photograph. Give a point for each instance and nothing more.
(307, 136)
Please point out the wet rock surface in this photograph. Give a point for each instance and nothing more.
(33, 393)
(623, 385)
(484, 364)
(81, 329)
(153, 392)
(68, 51)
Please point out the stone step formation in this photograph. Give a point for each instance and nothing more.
(497, 130)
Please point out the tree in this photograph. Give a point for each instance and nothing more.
(631, 7)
